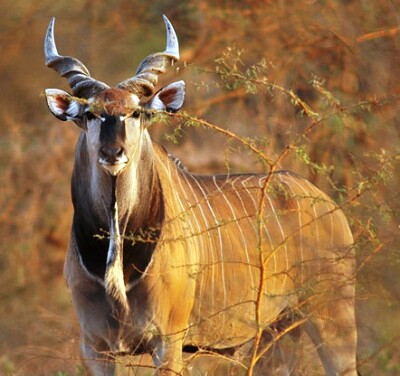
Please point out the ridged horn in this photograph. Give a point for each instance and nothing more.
(78, 76)
(145, 79)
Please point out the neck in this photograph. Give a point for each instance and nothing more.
(136, 188)
(138, 198)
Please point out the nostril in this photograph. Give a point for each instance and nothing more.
(111, 153)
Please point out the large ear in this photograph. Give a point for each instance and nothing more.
(170, 98)
(63, 106)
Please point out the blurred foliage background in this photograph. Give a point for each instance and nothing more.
(250, 67)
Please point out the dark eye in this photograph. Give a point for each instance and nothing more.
(89, 115)
(136, 114)
(148, 114)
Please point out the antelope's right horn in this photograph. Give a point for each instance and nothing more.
(77, 74)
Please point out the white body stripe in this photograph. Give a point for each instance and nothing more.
(242, 237)
(217, 226)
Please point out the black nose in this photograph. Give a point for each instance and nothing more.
(111, 153)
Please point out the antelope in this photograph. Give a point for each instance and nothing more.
(160, 258)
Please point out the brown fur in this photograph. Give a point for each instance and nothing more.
(114, 102)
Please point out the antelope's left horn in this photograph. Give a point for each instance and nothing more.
(145, 79)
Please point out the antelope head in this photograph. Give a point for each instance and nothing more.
(113, 118)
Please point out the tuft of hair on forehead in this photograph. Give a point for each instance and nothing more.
(114, 102)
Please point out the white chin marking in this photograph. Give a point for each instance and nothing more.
(114, 169)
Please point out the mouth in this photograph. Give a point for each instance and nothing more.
(115, 167)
